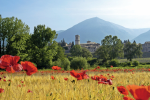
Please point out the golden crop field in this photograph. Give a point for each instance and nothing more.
(40, 86)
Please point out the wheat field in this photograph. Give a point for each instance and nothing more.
(43, 87)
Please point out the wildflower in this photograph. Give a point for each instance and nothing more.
(66, 79)
(1, 90)
(9, 63)
(29, 67)
(122, 90)
(79, 76)
(139, 92)
(53, 77)
(29, 91)
(56, 68)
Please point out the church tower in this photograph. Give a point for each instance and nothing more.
(77, 39)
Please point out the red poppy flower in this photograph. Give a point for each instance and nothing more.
(56, 68)
(139, 92)
(29, 91)
(19, 86)
(9, 63)
(29, 67)
(98, 67)
(111, 66)
(79, 76)
(1, 90)
(66, 79)
(95, 78)
(122, 90)
(53, 77)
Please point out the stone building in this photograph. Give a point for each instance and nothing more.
(91, 46)
(146, 46)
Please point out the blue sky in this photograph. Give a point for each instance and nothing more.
(63, 14)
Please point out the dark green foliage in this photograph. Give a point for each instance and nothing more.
(132, 50)
(114, 62)
(111, 48)
(66, 64)
(70, 58)
(92, 61)
(41, 54)
(76, 50)
(72, 44)
(60, 53)
(57, 63)
(86, 53)
(129, 63)
(79, 63)
(135, 63)
(66, 48)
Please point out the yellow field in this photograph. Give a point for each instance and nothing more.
(44, 88)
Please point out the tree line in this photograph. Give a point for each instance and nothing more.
(34, 47)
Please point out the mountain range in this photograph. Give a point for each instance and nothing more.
(95, 29)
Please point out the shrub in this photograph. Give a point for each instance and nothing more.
(57, 63)
(114, 62)
(79, 63)
(135, 63)
(66, 64)
(125, 64)
(92, 61)
(70, 58)
(129, 63)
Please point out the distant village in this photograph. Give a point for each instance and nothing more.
(92, 46)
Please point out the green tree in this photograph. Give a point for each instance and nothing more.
(111, 48)
(18, 34)
(72, 44)
(132, 50)
(86, 53)
(60, 53)
(76, 50)
(41, 53)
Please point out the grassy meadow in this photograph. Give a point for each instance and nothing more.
(43, 87)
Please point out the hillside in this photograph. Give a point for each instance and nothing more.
(95, 29)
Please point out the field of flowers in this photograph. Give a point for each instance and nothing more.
(95, 84)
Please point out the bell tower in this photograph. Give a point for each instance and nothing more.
(77, 39)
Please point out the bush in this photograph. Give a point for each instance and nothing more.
(135, 63)
(92, 61)
(66, 64)
(57, 63)
(114, 62)
(129, 63)
(79, 63)
(70, 58)
(125, 64)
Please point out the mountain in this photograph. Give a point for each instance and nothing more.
(95, 29)
(142, 38)
(59, 31)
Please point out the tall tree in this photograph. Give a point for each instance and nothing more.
(40, 39)
(132, 50)
(60, 54)
(76, 50)
(17, 30)
(111, 48)
(86, 53)
(63, 43)
(72, 44)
